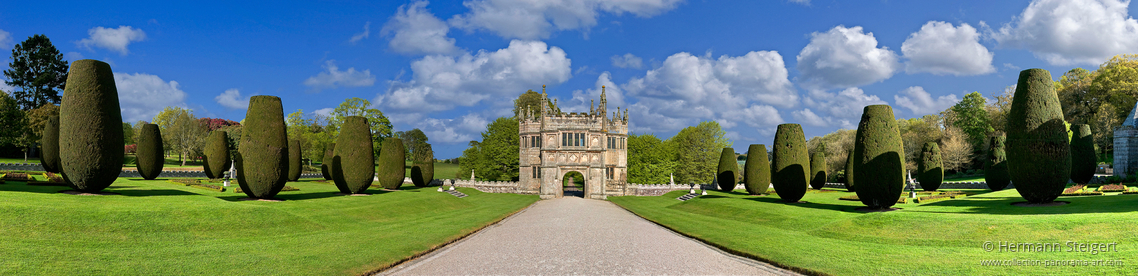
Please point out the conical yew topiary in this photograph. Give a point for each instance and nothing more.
(294, 166)
(728, 170)
(49, 145)
(1039, 153)
(818, 170)
(391, 163)
(878, 150)
(996, 165)
(789, 161)
(1082, 154)
(757, 170)
(353, 164)
(149, 158)
(217, 159)
(262, 159)
(90, 127)
(930, 168)
(326, 164)
(423, 169)
(850, 171)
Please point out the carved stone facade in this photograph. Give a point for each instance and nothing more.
(1126, 145)
(593, 144)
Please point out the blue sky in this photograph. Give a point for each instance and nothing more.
(450, 67)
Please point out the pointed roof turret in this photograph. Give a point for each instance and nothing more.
(1130, 120)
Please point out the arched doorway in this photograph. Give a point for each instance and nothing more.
(573, 184)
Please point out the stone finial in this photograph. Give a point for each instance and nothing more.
(626, 115)
(591, 110)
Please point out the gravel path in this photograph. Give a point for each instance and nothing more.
(580, 237)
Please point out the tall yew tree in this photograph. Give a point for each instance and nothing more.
(39, 70)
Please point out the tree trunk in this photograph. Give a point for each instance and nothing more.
(180, 155)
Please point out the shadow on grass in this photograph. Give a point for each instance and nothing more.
(807, 204)
(120, 190)
(288, 196)
(1003, 205)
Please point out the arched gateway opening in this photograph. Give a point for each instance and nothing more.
(573, 184)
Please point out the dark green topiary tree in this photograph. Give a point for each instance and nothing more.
(1082, 154)
(90, 127)
(391, 162)
(326, 165)
(262, 159)
(353, 165)
(148, 155)
(757, 170)
(294, 166)
(728, 170)
(217, 159)
(818, 170)
(930, 167)
(789, 172)
(996, 165)
(878, 150)
(49, 145)
(423, 169)
(850, 171)
(1038, 149)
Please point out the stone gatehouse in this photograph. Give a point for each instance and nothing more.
(554, 144)
(1126, 145)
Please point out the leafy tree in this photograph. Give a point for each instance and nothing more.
(496, 156)
(697, 150)
(181, 131)
(470, 161)
(127, 134)
(998, 111)
(955, 152)
(38, 117)
(312, 132)
(415, 141)
(650, 160)
(13, 120)
(39, 69)
(972, 118)
(838, 146)
(532, 101)
(380, 125)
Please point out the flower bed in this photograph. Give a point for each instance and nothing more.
(1080, 190)
(1112, 188)
(197, 184)
(15, 176)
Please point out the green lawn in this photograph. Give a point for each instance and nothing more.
(157, 228)
(34, 160)
(442, 170)
(966, 179)
(827, 236)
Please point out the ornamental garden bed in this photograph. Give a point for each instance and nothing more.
(197, 183)
(1113, 188)
(17, 176)
(1080, 190)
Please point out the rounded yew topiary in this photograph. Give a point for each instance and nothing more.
(391, 163)
(850, 171)
(757, 170)
(149, 158)
(353, 164)
(90, 127)
(49, 145)
(217, 158)
(294, 166)
(818, 170)
(930, 167)
(326, 164)
(789, 161)
(1082, 154)
(1039, 153)
(879, 151)
(262, 159)
(996, 165)
(423, 169)
(728, 170)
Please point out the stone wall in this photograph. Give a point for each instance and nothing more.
(490, 186)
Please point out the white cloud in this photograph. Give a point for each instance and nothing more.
(627, 61)
(1065, 32)
(73, 56)
(443, 82)
(459, 130)
(921, 103)
(537, 19)
(5, 40)
(941, 49)
(846, 104)
(581, 99)
(333, 77)
(803, 2)
(141, 96)
(360, 36)
(807, 117)
(844, 57)
(414, 30)
(113, 39)
(232, 99)
(754, 116)
(323, 112)
(5, 87)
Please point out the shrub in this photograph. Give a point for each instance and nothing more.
(757, 170)
(789, 174)
(326, 163)
(217, 159)
(930, 169)
(878, 149)
(261, 161)
(850, 171)
(1037, 145)
(49, 145)
(423, 169)
(391, 162)
(294, 165)
(149, 158)
(90, 127)
(353, 165)
(818, 170)
(728, 170)
(1082, 154)
(996, 165)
